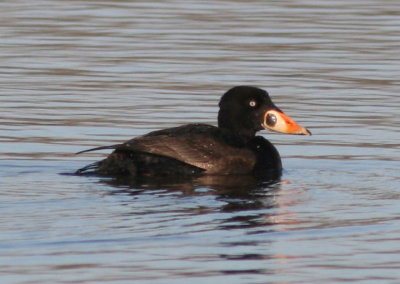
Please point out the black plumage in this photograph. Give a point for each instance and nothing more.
(229, 149)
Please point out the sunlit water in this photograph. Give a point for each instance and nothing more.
(80, 74)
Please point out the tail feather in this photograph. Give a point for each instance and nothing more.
(99, 148)
(89, 169)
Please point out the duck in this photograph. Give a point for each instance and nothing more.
(230, 148)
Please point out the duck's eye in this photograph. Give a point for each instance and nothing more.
(271, 119)
(252, 103)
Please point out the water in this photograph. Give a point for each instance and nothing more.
(81, 74)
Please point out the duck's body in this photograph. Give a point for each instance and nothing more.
(186, 150)
(231, 148)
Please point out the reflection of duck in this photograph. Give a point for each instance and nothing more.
(231, 148)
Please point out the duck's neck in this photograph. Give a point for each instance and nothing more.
(235, 136)
(238, 129)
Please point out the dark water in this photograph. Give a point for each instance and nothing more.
(79, 74)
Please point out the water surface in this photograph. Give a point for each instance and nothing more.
(80, 74)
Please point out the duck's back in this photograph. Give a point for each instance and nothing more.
(188, 149)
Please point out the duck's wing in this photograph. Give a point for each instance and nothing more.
(199, 145)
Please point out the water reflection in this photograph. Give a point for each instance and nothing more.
(236, 209)
(230, 186)
(235, 195)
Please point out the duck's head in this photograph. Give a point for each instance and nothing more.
(244, 110)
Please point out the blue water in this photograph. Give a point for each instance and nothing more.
(77, 75)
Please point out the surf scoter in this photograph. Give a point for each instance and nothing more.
(231, 148)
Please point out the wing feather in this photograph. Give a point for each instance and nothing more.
(198, 145)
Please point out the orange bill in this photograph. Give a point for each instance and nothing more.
(279, 122)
